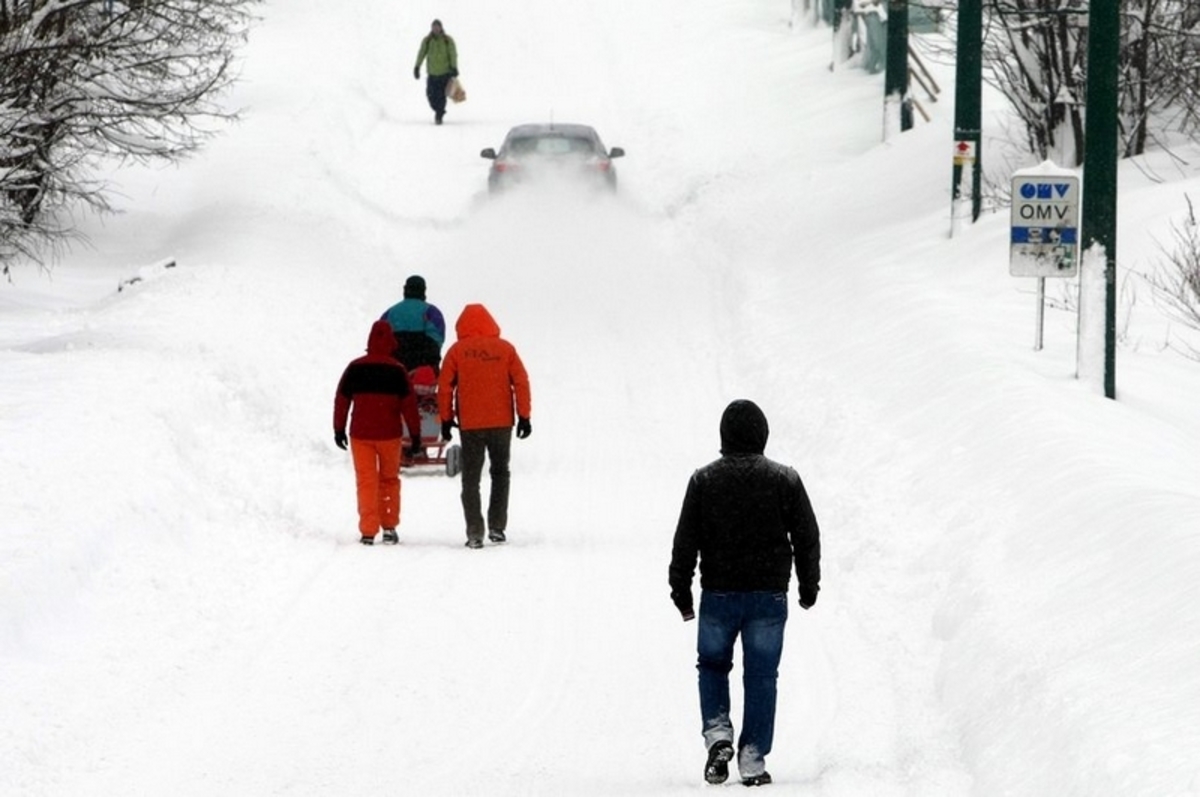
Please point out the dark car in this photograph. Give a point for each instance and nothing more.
(542, 152)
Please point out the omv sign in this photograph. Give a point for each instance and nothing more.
(1045, 202)
(1045, 224)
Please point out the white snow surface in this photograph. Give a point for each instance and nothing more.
(1010, 599)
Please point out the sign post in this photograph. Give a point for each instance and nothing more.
(1045, 229)
(1100, 165)
(897, 107)
(966, 177)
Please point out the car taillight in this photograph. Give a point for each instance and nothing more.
(602, 165)
(506, 166)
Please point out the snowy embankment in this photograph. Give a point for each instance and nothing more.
(1010, 561)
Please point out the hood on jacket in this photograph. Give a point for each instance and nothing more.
(743, 428)
(476, 322)
(381, 340)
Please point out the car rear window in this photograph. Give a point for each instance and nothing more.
(551, 145)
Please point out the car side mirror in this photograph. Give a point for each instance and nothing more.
(616, 152)
(488, 153)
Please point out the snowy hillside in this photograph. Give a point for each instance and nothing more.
(1010, 595)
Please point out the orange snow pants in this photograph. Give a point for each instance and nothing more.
(377, 471)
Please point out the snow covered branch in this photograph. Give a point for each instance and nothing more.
(1036, 54)
(1176, 284)
(86, 80)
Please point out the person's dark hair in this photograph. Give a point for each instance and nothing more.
(414, 287)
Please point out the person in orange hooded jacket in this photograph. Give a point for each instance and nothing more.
(378, 388)
(484, 381)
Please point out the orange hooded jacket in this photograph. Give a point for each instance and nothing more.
(482, 375)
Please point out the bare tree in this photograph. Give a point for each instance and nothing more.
(83, 82)
(1160, 70)
(1035, 55)
(1035, 51)
(1176, 283)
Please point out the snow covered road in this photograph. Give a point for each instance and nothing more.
(185, 608)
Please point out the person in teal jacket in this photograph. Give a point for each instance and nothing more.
(419, 327)
(441, 63)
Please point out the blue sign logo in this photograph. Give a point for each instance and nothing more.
(1047, 191)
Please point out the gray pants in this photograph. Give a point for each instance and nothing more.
(496, 444)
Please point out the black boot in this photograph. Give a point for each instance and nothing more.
(716, 769)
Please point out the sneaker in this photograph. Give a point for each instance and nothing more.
(757, 780)
(497, 535)
(474, 543)
(390, 537)
(367, 540)
(716, 769)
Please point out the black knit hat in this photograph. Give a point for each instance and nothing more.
(414, 287)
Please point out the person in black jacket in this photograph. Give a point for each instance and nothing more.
(749, 520)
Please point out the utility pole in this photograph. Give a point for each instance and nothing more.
(895, 83)
(967, 110)
(1100, 166)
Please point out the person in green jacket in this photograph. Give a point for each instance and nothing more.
(442, 64)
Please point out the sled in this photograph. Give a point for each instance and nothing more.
(438, 452)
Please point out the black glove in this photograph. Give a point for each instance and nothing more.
(447, 430)
(808, 599)
(340, 439)
(524, 429)
(453, 71)
(683, 602)
(414, 451)
(416, 73)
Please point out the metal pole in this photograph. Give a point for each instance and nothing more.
(1100, 164)
(967, 102)
(895, 81)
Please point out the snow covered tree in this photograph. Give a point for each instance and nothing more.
(1036, 54)
(83, 82)
(1176, 283)
(1160, 70)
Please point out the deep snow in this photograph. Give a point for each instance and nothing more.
(1010, 597)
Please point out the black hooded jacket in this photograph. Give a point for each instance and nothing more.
(747, 517)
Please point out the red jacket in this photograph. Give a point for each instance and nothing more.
(482, 375)
(378, 387)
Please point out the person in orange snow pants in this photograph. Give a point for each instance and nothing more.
(377, 475)
(378, 389)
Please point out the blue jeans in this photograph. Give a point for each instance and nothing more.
(759, 617)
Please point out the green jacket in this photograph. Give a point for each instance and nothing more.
(440, 51)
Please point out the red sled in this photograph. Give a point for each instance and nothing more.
(438, 452)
